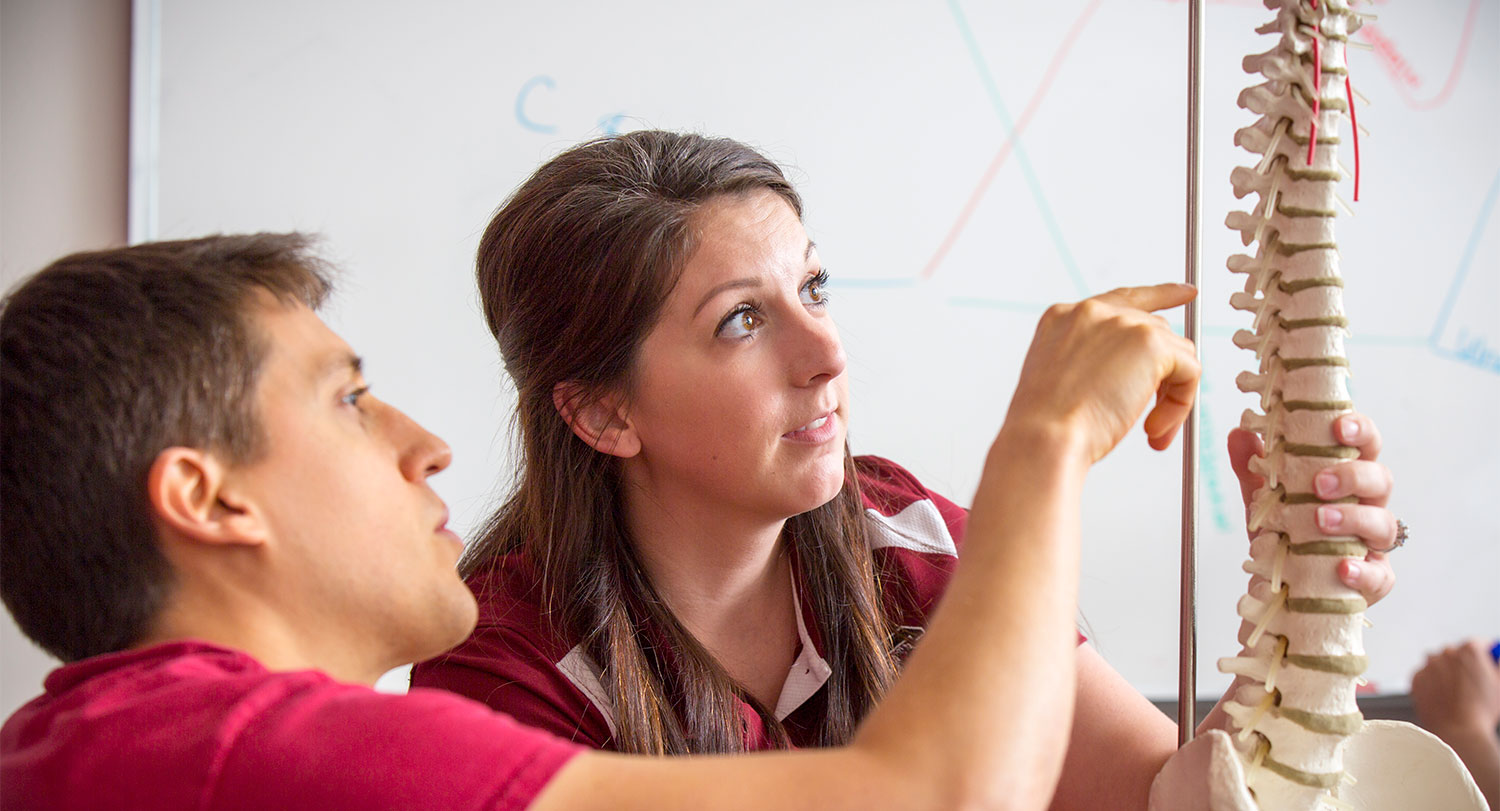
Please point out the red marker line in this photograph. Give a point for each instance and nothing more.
(1006, 148)
(1451, 83)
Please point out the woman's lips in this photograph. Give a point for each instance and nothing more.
(819, 430)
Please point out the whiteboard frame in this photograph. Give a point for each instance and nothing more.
(145, 121)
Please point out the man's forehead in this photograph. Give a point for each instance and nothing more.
(300, 344)
(342, 363)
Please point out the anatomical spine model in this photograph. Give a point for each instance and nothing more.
(1297, 739)
(1303, 654)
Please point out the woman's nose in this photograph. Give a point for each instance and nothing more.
(821, 353)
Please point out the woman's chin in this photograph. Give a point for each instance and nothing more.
(825, 487)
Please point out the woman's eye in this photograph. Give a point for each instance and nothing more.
(741, 323)
(352, 398)
(815, 292)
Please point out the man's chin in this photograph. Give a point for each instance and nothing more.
(466, 616)
(449, 624)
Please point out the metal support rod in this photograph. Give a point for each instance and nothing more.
(1187, 661)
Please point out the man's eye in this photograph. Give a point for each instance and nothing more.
(352, 398)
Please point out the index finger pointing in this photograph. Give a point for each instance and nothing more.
(1151, 298)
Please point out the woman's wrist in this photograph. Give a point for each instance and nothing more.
(1034, 442)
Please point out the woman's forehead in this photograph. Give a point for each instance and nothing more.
(746, 235)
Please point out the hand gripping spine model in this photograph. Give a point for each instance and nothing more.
(1304, 653)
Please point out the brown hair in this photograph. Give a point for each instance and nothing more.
(573, 272)
(106, 359)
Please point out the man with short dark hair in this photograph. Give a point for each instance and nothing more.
(194, 470)
(91, 398)
(227, 538)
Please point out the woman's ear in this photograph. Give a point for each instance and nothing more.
(600, 421)
(188, 494)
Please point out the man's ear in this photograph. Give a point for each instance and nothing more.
(600, 421)
(186, 488)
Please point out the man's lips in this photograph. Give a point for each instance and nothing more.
(442, 529)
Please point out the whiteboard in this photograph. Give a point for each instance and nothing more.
(963, 164)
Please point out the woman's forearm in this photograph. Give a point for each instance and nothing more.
(1002, 642)
(980, 717)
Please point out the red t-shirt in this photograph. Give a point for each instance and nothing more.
(515, 662)
(188, 725)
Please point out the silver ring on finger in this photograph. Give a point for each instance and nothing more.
(1401, 535)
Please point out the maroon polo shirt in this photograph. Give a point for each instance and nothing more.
(188, 725)
(515, 662)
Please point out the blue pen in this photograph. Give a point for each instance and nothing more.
(1495, 653)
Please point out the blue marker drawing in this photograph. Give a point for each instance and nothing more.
(871, 284)
(998, 304)
(531, 84)
(1212, 465)
(610, 124)
(1473, 351)
(1035, 185)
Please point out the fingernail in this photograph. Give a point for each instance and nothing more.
(1326, 483)
(1329, 518)
(1349, 429)
(1351, 573)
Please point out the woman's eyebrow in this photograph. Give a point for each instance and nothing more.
(745, 282)
(729, 285)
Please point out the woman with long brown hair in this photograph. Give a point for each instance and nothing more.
(691, 561)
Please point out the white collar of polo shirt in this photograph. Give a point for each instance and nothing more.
(808, 673)
(805, 677)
